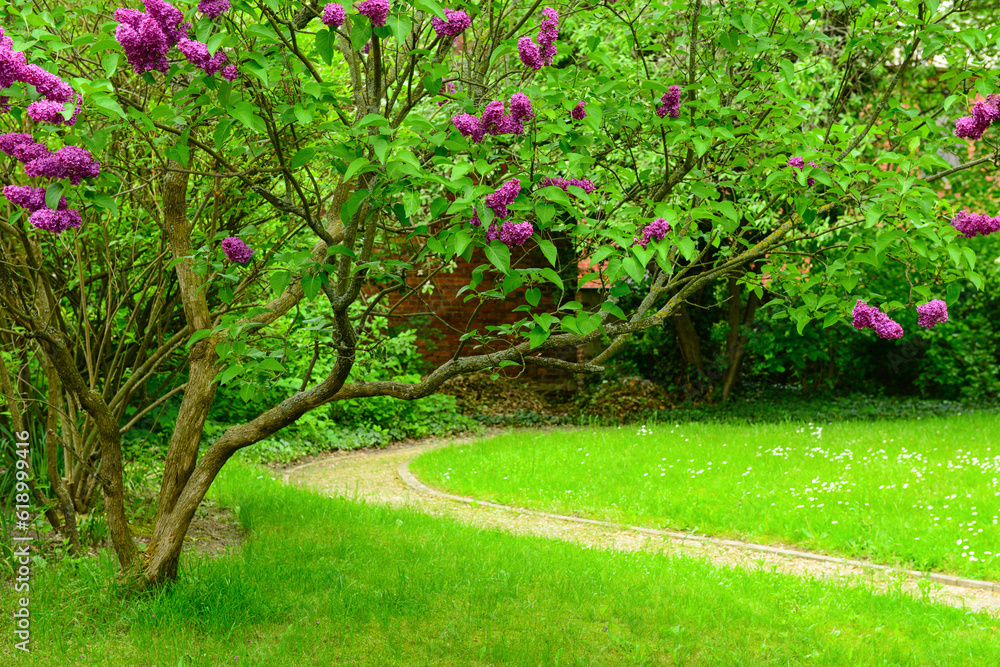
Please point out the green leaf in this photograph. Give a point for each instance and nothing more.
(537, 336)
(324, 45)
(197, 336)
(533, 295)
(355, 166)
(548, 249)
(303, 157)
(230, 373)
(108, 105)
(380, 146)
(361, 32)
(52, 195)
(279, 281)
(311, 285)
(109, 61)
(400, 25)
(243, 112)
(462, 241)
(499, 255)
(431, 6)
(633, 268)
(609, 307)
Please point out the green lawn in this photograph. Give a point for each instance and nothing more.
(921, 493)
(329, 582)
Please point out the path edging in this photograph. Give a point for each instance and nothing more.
(948, 580)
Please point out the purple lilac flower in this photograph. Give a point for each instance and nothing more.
(213, 8)
(169, 19)
(457, 22)
(516, 233)
(586, 184)
(368, 47)
(492, 233)
(799, 162)
(376, 10)
(70, 162)
(656, 230)
(22, 147)
(511, 125)
(547, 34)
(528, 51)
(931, 313)
(236, 250)
(47, 84)
(448, 87)
(862, 315)
(984, 113)
(469, 126)
(11, 61)
(885, 327)
(334, 15)
(229, 72)
(143, 41)
(870, 317)
(197, 54)
(492, 117)
(4, 104)
(55, 221)
(670, 103)
(520, 107)
(578, 112)
(475, 222)
(504, 195)
(968, 224)
(29, 198)
(44, 111)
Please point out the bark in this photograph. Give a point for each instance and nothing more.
(687, 338)
(740, 318)
(51, 454)
(200, 392)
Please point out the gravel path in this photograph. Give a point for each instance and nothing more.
(378, 476)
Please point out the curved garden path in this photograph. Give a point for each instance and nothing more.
(382, 475)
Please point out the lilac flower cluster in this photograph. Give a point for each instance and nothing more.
(931, 313)
(197, 54)
(578, 112)
(376, 10)
(504, 195)
(70, 162)
(670, 103)
(55, 221)
(458, 21)
(799, 162)
(970, 225)
(870, 317)
(584, 183)
(449, 88)
(334, 15)
(14, 67)
(537, 55)
(494, 121)
(368, 47)
(146, 37)
(213, 8)
(511, 233)
(44, 111)
(22, 147)
(236, 250)
(984, 113)
(654, 231)
(29, 198)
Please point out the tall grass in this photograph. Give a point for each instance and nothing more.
(327, 581)
(923, 493)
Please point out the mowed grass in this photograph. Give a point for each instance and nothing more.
(922, 493)
(332, 582)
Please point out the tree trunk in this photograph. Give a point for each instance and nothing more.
(51, 454)
(687, 338)
(736, 338)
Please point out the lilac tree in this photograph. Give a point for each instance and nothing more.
(187, 183)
